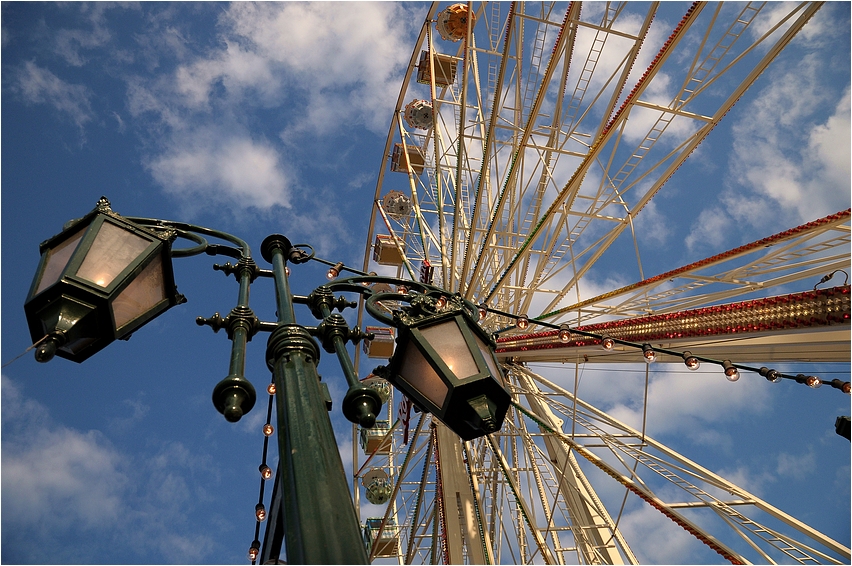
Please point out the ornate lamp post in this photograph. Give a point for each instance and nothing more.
(105, 276)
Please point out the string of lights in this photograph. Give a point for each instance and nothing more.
(566, 333)
(265, 474)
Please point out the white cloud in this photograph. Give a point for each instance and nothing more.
(324, 66)
(63, 465)
(681, 402)
(141, 499)
(72, 45)
(341, 62)
(223, 169)
(829, 145)
(38, 85)
(752, 480)
(238, 70)
(789, 161)
(663, 542)
(796, 466)
(43, 465)
(784, 161)
(652, 227)
(710, 229)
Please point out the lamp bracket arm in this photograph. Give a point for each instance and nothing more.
(239, 317)
(219, 249)
(322, 301)
(196, 234)
(245, 265)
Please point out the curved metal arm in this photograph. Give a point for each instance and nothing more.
(193, 232)
(359, 285)
(233, 396)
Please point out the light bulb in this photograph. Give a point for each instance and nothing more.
(402, 289)
(268, 429)
(334, 271)
(523, 322)
(731, 373)
(607, 343)
(813, 381)
(270, 389)
(287, 270)
(770, 374)
(564, 334)
(260, 512)
(846, 387)
(265, 471)
(441, 303)
(254, 550)
(690, 361)
(482, 312)
(648, 353)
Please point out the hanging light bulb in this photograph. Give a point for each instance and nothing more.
(402, 289)
(265, 471)
(270, 389)
(483, 311)
(846, 387)
(254, 550)
(770, 374)
(334, 271)
(260, 512)
(813, 381)
(731, 373)
(564, 334)
(287, 270)
(523, 322)
(268, 429)
(607, 343)
(441, 303)
(648, 353)
(690, 361)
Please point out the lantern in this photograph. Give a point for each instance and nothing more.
(445, 363)
(100, 279)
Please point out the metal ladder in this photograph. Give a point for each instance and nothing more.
(708, 64)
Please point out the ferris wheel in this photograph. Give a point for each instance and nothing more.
(527, 140)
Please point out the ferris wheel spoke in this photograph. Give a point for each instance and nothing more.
(800, 253)
(673, 468)
(566, 198)
(592, 525)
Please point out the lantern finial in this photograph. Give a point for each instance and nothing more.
(104, 205)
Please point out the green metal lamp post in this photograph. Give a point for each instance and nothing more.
(105, 276)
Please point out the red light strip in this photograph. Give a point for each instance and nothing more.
(823, 307)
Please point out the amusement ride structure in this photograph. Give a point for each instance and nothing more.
(527, 139)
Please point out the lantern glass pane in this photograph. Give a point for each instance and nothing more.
(114, 249)
(141, 295)
(489, 360)
(57, 259)
(450, 345)
(419, 374)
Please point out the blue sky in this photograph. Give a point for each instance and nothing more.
(272, 118)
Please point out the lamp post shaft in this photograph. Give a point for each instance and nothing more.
(320, 525)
